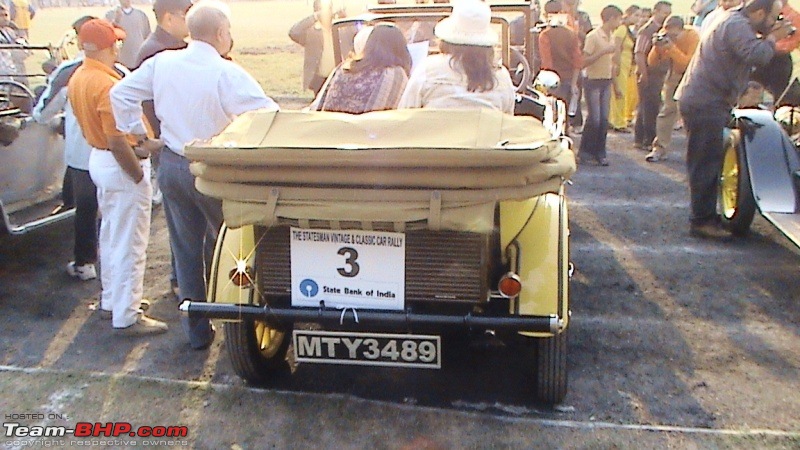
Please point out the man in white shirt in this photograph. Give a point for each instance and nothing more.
(196, 93)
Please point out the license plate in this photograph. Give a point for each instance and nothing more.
(348, 268)
(368, 349)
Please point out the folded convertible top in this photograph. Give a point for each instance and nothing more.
(268, 166)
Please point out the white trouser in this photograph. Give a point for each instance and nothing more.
(124, 232)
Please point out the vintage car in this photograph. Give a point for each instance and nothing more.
(31, 154)
(761, 171)
(368, 239)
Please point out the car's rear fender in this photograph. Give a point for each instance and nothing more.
(771, 161)
(534, 235)
(234, 246)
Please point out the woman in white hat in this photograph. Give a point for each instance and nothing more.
(466, 73)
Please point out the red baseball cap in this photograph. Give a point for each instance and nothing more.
(99, 34)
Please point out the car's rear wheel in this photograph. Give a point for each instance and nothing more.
(551, 368)
(735, 199)
(257, 351)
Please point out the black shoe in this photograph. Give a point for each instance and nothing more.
(592, 161)
(710, 230)
(208, 343)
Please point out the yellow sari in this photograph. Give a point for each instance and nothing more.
(623, 106)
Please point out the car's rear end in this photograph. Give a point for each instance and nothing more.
(351, 272)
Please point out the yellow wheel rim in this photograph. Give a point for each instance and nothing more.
(729, 180)
(269, 339)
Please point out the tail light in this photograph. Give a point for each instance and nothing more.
(510, 285)
(241, 275)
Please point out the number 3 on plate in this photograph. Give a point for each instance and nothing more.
(353, 268)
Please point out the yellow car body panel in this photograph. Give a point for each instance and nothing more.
(533, 236)
(233, 245)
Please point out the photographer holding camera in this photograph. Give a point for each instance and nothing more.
(775, 76)
(673, 46)
(717, 75)
(650, 79)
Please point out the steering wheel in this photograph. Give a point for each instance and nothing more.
(520, 70)
(15, 95)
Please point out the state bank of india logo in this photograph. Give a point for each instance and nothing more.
(309, 287)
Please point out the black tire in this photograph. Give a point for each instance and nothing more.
(551, 369)
(735, 201)
(250, 361)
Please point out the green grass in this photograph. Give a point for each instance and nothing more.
(260, 31)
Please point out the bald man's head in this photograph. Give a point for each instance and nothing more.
(205, 18)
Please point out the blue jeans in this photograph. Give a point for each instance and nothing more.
(193, 220)
(595, 129)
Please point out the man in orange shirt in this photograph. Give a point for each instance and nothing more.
(120, 167)
(673, 46)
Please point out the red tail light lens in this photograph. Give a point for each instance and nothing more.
(241, 276)
(510, 285)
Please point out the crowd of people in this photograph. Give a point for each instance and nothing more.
(648, 69)
(116, 119)
(132, 97)
(122, 111)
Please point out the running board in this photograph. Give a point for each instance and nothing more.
(34, 224)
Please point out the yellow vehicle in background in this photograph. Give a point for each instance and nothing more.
(368, 239)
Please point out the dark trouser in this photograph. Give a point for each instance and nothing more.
(154, 159)
(84, 193)
(704, 155)
(577, 119)
(564, 91)
(649, 105)
(67, 195)
(776, 74)
(595, 130)
(193, 220)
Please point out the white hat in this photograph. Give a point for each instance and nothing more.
(469, 24)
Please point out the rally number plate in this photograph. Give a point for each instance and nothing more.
(348, 268)
(369, 349)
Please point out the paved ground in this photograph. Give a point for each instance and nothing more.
(674, 342)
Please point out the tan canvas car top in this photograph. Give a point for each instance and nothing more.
(441, 166)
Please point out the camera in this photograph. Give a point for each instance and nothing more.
(660, 39)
